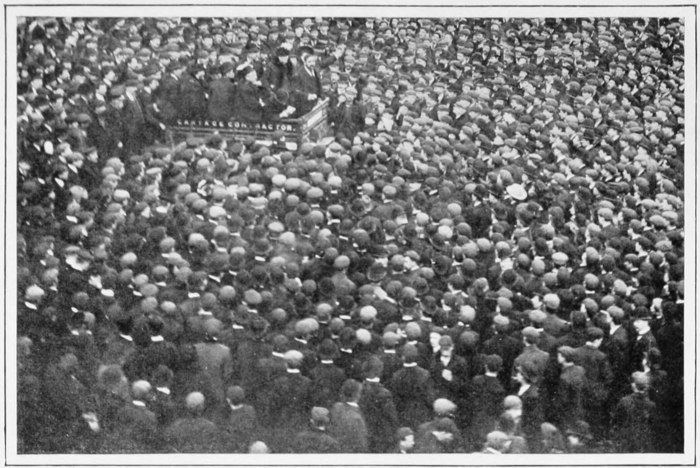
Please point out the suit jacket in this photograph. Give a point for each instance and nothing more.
(427, 443)
(117, 350)
(135, 431)
(248, 96)
(508, 348)
(304, 84)
(240, 429)
(307, 82)
(134, 124)
(143, 362)
(487, 395)
(392, 363)
(217, 365)
(641, 345)
(315, 441)
(598, 374)
(348, 427)
(168, 97)
(193, 98)
(291, 401)
(633, 421)
(326, 380)
(456, 389)
(479, 218)
(222, 99)
(569, 396)
(532, 416)
(192, 435)
(413, 394)
(382, 420)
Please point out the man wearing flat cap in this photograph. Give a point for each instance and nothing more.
(377, 405)
(599, 377)
(240, 421)
(193, 96)
(450, 373)
(135, 428)
(192, 433)
(316, 438)
(290, 402)
(412, 389)
(567, 406)
(633, 418)
(347, 422)
(216, 363)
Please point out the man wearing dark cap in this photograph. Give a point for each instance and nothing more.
(412, 389)
(532, 353)
(378, 407)
(194, 94)
(505, 346)
(216, 363)
(450, 374)
(134, 118)
(192, 433)
(633, 418)
(169, 92)
(135, 429)
(222, 99)
(327, 378)
(113, 124)
(240, 424)
(290, 402)
(250, 95)
(315, 439)
(567, 406)
(487, 395)
(279, 71)
(644, 340)
(347, 423)
(598, 379)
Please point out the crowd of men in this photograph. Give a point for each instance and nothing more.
(488, 257)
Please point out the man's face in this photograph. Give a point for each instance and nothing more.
(310, 61)
(446, 351)
(640, 325)
(408, 442)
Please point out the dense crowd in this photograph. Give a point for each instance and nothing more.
(488, 257)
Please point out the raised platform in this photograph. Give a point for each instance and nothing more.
(310, 127)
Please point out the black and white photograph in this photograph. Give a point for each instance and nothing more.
(350, 235)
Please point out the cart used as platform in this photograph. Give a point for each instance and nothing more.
(309, 127)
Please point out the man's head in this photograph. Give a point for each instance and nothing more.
(406, 438)
(350, 391)
(446, 346)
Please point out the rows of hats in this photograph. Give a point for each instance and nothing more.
(515, 183)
